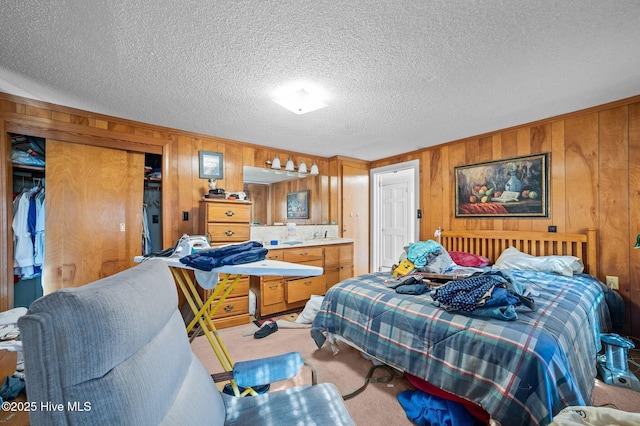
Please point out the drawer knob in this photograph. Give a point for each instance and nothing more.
(228, 308)
(228, 233)
(229, 213)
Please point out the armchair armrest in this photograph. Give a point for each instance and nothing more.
(264, 370)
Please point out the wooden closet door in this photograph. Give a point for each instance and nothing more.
(93, 225)
(355, 214)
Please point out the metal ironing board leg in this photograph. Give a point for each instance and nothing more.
(202, 317)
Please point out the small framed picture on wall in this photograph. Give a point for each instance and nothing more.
(211, 166)
(298, 205)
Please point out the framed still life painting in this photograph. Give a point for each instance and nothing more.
(513, 187)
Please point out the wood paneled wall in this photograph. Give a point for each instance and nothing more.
(182, 188)
(594, 183)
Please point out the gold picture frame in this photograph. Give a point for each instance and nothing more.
(513, 187)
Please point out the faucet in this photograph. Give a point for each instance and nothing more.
(316, 235)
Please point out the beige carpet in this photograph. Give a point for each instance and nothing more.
(378, 404)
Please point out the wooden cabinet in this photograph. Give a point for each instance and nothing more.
(225, 222)
(338, 263)
(280, 294)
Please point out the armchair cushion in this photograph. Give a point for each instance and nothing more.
(306, 405)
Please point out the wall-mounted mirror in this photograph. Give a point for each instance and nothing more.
(266, 176)
(268, 190)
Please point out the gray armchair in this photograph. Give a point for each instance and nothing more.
(116, 352)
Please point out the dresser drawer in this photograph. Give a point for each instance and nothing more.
(272, 292)
(229, 232)
(228, 212)
(241, 288)
(275, 255)
(304, 254)
(302, 288)
(232, 306)
(232, 321)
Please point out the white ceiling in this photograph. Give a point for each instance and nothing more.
(397, 75)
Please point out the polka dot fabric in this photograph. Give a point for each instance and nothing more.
(468, 294)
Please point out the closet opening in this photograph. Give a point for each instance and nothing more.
(152, 204)
(28, 155)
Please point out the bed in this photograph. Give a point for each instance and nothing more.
(520, 372)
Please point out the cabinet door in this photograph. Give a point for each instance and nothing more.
(355, 214)
(338, 263)
(93, 213)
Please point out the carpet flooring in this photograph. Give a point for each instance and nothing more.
(377, 404)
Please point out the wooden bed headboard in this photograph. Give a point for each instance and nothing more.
(491, 244)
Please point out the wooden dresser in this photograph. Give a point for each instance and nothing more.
(275, 294)
(226, 222)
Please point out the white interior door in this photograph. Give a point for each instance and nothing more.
(394, 222)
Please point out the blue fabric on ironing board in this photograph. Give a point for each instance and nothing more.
(232, 254)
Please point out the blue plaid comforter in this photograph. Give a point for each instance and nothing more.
(521, 372)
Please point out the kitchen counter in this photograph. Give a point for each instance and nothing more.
(309, 243)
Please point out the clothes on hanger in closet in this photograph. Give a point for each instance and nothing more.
(28, 232)
(146, 236)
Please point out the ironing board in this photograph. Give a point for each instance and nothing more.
(203, 310)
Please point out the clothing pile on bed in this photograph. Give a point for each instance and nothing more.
(489, 294)
(486, 293)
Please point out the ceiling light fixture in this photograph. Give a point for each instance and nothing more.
(314, 169)
(300, 102)
(302, 168)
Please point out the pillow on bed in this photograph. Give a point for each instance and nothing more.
(512, 258)
(462, 258)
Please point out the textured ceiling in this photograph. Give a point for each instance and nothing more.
(397, 75)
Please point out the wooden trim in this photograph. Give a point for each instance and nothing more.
(491, 244)
(6, 218)
(49, 129)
